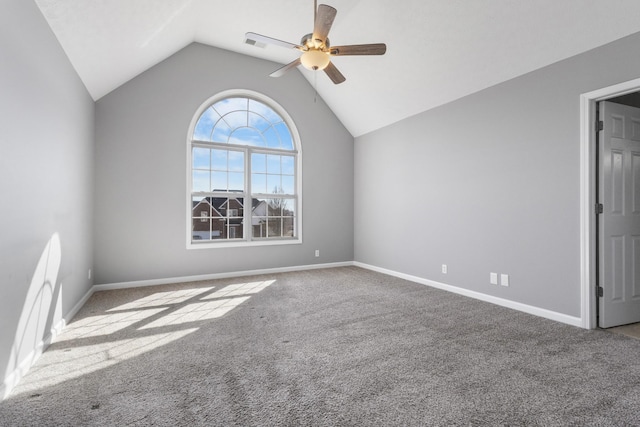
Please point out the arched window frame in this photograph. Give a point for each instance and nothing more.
(247, 235)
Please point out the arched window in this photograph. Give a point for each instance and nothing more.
(243, 174)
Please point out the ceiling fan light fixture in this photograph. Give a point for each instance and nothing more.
(315, 59)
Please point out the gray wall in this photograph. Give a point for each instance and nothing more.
(46, 155)
(488, 183)
(141, 134)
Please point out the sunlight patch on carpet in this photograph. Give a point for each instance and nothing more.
(197, 312)
(163, 299)
(98, 341)
(62, 364)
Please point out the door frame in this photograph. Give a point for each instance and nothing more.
(588, 196)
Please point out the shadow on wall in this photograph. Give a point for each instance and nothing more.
(41, 315)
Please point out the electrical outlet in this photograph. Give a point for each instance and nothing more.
(504, 280)
(89, 275)
(317, 253)
(444, 269)
(493, 278)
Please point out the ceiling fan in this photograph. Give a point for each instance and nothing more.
(315, 47)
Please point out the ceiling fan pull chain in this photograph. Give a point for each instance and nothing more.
(315, 87)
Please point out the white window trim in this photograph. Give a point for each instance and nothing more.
(298, 174)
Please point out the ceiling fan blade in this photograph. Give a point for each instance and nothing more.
(334, 74)
(359, 49)
(324, 20)
(256, 39)
(280, 71)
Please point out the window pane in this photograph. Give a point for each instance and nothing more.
(264, 110)
(205, 124)
(200, 206)
(273, 184)
(259, 219)
(201, 230)
(218, 181)
(221, 132)
(236, 119)
(288, 220)
(258, 163)
(236, 181)
(234, 212)
(201, 221)
(219, 160)
(273, 164)
(285, 136)
(200, 181)
(236, 161)
(271, 137)
(259, 208)
(288, 207)
(227, 105)
(288, 165)
(274, 227)
(288, 186)
(259, 227)
(258, 183)
(235, 231)
(217, 206)
(274, 207)
(247, 136)
(201, 158)
(288, 227)
(258, 122)
(218, 229)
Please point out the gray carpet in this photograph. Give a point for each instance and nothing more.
(342, 346)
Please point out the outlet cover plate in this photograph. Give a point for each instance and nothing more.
(493, 278)
(504, 280)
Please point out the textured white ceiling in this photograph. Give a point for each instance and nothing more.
(437, 50)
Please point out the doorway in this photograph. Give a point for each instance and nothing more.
(618, 210)
(626, 92)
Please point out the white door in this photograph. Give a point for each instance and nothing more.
(619, 220)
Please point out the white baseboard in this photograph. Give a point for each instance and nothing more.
(165, 281)
(536, 311)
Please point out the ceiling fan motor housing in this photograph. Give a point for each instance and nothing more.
(309, 43)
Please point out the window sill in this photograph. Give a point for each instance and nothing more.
(242, 244)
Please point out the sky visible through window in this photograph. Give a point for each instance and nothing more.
(243, 121)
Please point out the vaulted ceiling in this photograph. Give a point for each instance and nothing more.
(437, 50)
